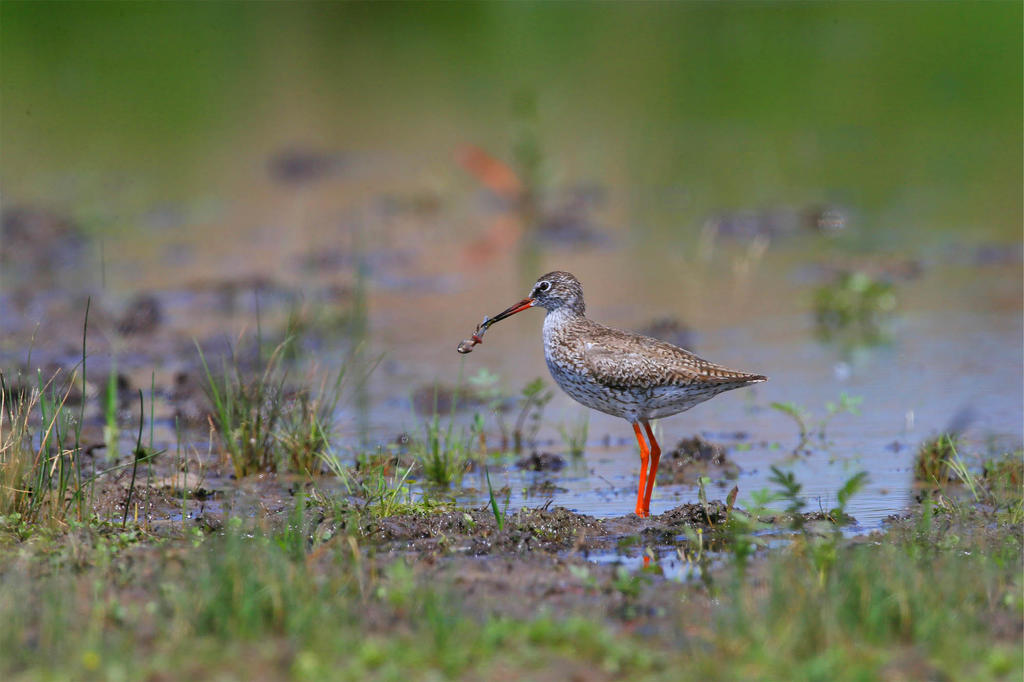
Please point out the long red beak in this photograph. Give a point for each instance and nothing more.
(517, 308)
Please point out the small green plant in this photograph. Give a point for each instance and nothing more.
(386, 495)
(532, 401)
(139, 455)
(35, 480)
(808, 428)
(822, 550)
(499, 518)
(702, 497)
(378, 488)
(485, 386)
(800, 416)
(575, 435)
(996, 489)
(263, 424)
(247, 408)
(111, 430)
(934, 461)
(530, 405)
(307, 422)
(789, 492)
(333, 462)
(628, 584)
(743, 528)
(850, 487)
(41, 476)
(305, 430)
(1002, 478)
(443, 453)
(854, 304)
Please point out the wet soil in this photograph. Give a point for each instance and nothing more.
(554, 531)
(541, 461)
(693, 458)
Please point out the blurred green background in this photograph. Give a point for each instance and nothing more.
(908, 112)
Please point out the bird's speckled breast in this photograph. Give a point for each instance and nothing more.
(564, 356)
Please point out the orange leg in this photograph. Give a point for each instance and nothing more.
(641, 509)
(655, 456)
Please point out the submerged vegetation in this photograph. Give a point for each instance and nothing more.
(855, 306)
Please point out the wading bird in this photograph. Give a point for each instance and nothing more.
(619, 373)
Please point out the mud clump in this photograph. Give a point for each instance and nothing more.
(670, 525)
(300, 166)
(695, 457)
(142, 316)
(545, 488)
(476, 532)
(541, 461)
(713, 513)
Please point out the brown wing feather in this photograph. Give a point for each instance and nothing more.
(624, 359)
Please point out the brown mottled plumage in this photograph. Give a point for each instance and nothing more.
(621, 373)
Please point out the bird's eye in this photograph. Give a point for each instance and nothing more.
(543, 286)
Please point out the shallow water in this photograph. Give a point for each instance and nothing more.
(650, 125)
(960, 358)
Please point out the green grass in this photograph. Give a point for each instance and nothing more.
(42, 480)
(878, 604)
(499, 517)
(379, 486)
(307, 423)
(574, 435)
(924, 595)
(385, 491)
(247, 406)
(40, 461)
(443, 452)
(934, 461)
(247, 603)
(111, 429)
(264, 423)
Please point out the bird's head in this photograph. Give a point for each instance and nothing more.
(553, 291)
(557, 290)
